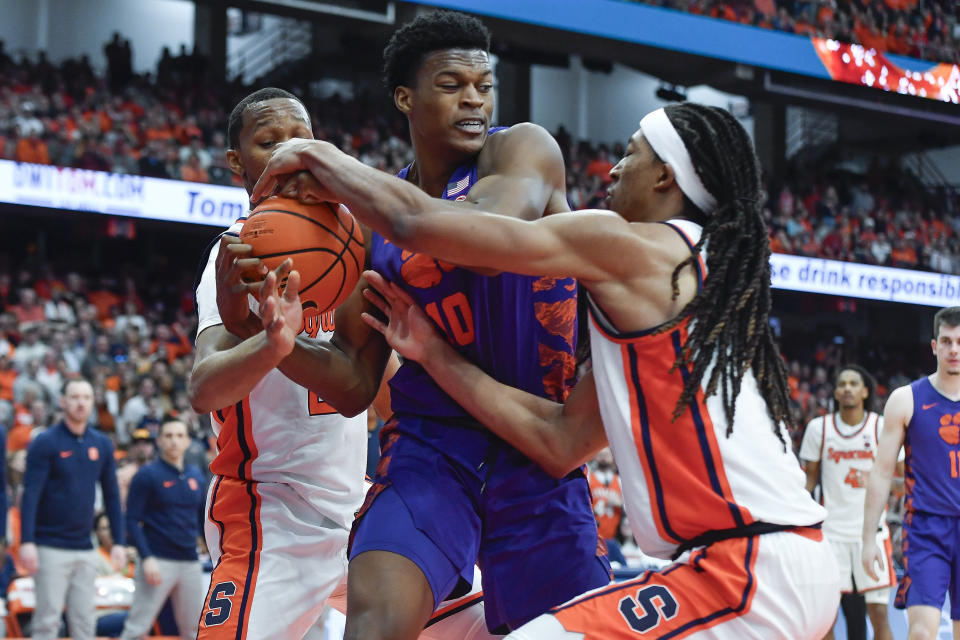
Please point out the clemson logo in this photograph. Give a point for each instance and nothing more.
(421, 271)
(950, 428)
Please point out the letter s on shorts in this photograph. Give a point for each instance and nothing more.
(666, 607)
(219, 606)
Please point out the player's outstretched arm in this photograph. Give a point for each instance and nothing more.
(226, 368)
(589, 245)
(558, 437)
(896, 415)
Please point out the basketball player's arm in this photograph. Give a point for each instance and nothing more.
(351, 370)
(558, 437)
(226, 368)
(812, 469)
(589, 245)
(523, 173)
(346, 371)
(896, 415)
(810, 453)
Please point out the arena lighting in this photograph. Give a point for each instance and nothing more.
(670, 93)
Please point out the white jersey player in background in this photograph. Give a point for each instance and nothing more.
(838, 451)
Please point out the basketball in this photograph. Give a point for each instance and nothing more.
(324, 241)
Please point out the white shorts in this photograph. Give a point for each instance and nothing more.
(778, 585)
(853, 574)
(457, 618)
(276, 561)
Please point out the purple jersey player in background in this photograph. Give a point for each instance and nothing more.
(924, 417)
(449, 493)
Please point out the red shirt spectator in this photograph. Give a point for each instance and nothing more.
(601, 166)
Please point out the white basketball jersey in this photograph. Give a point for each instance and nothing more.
(282, 432)
(846, 454)
(683, 478)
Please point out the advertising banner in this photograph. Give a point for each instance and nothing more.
(120, 194)
(853, 280)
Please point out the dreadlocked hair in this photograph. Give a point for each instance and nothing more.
(731, 328)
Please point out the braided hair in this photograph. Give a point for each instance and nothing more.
(731, 328)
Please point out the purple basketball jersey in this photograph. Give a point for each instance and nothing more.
(521, 330)
(932, 447)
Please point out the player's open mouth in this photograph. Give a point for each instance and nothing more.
(471, 125)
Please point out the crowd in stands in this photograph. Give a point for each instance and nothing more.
(883, 218)
(173, 126)
(924, 29)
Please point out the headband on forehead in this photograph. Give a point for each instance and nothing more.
(666, 142)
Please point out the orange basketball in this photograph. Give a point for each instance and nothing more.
(324, 241)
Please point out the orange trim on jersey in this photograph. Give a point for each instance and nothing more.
(236, 447)
(686, 490)
(635, 410)
(679, 600)
(226, 610)
(810, 533)
(855, 433)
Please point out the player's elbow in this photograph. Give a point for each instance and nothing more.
(403, 229)
(200, 399)
(351, 410)
(353, 402)
(559, 460)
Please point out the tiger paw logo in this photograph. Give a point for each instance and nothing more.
(950, 428)
(421, 271)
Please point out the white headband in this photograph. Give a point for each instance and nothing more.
(666, 142)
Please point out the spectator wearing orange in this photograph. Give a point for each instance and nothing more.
(32, 149)
(192, 171)
(173, 339)
(606, 494)
(600, 166)
(903, 255)
(28, 310)
(8, 374)
(104, 299)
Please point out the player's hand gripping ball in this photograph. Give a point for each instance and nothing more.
(323, 240)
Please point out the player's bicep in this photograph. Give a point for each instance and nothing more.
(896, 416)
(523, 196)
(525, 171)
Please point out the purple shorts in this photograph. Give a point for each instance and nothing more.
(533, 536)
(931, 557)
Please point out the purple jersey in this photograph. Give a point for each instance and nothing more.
(932, 465)
(519, 329)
